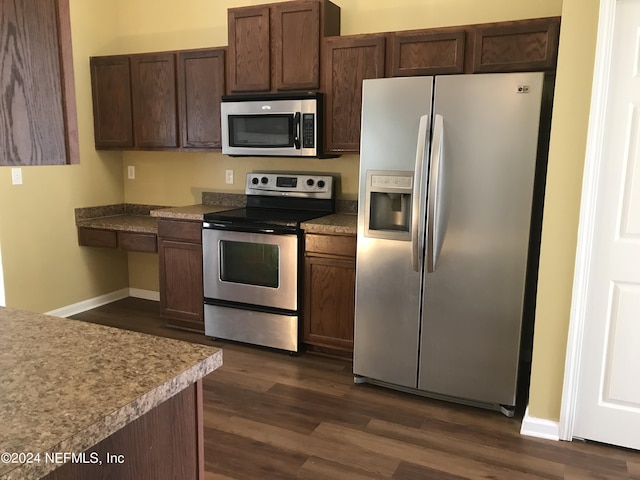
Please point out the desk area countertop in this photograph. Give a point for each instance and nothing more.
(137, 218)
(67, 385)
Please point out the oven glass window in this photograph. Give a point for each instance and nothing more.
(269, 131)
(249, 263)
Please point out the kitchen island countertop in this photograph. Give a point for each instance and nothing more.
(67, 385)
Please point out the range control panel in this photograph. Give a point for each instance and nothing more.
(289, 184)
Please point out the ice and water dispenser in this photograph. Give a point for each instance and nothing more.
(388, 204)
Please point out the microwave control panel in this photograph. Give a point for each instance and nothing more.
(308, 130)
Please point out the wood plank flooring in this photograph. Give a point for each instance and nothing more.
(272, 416)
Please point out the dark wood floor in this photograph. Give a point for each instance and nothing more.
(272, 416)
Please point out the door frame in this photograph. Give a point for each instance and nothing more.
(586, 230)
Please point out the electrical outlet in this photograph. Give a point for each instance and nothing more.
(16, 176)
(228, 176)
(131, 172)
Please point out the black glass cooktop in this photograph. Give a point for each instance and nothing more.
(263, 217)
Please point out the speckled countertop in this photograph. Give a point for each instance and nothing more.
(126, 223)
(338, 223)
(211, 202)
(66, 385)
(190, 212)
(144, 218)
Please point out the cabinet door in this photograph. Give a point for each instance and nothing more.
(296, 45)
(249, 49)
(181, 294)
(526, 45)
(426, 53)
(347, 61)
(111, 91)
(181, 287)
(329, 302)
(153, 86)
(200, 88)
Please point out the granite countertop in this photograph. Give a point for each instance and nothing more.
(144, 218)
(338, 223)
(66, 385)
(190, 212)
(122, 217)
(126, 223)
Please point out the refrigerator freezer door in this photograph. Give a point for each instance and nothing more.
(387, 288)
(473, 300)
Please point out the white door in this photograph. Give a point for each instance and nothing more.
(608, 397)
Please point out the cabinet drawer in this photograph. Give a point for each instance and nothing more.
(341, 245)
(137, 242)
(180, 230)
(91, 237)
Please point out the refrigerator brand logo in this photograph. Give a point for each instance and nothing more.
(522, 89)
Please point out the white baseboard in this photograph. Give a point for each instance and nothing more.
(95, 302)
(539, 427)
(144, 294)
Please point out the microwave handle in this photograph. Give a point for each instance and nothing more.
(296, 130)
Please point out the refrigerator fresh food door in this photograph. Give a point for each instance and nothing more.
(473, 298)
(387, 315)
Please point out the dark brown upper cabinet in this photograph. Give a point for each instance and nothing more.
(276, 47)
(249, 49)
(427, 52)
(524, 45)
(111, 89)
(347, 61)
(153, 89)
(158, 101)
(39, 124)
(201, 83)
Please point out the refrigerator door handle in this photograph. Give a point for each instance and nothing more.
(417, 191)
(434, 213)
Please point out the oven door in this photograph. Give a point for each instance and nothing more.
(258, 269)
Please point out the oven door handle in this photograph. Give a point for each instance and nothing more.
(268, 229)
(296, 130)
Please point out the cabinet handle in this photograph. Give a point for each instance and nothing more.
(296, 131)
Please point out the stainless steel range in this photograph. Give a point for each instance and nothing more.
(252, 259)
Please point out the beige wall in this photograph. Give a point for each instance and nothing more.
(45, 269)
(179, 179)
(562, 204)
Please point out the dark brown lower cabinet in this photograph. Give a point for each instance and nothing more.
(130, 241)
(329, 292)
(166, 443)
(180, 255)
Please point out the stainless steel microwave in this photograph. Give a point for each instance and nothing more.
(281, 125)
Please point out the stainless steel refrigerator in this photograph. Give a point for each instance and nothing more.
(446, 198)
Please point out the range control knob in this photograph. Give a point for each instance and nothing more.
(264, 180)
(255, 180)
(320, 183)
(310, 182)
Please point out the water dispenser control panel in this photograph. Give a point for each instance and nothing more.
(388, 204)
